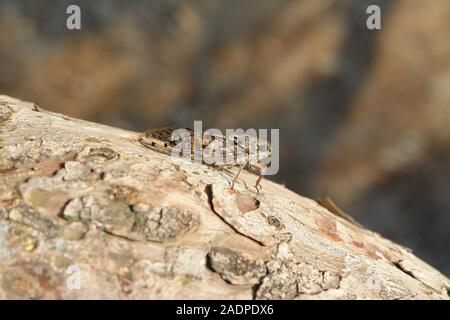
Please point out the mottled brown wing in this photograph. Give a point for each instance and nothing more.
(158, 139)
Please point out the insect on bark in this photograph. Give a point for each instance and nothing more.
(222, 152)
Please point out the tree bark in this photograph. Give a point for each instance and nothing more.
(86, 211)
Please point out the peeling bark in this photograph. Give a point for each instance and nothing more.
(80, 199)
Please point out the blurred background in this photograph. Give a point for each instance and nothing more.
(364, 116)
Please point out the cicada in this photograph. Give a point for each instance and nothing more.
(212, 148)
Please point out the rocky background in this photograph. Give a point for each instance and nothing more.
(364, 115)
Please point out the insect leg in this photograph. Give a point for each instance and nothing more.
(258, 182)
(237, 174)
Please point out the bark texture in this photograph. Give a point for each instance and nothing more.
(88, 212)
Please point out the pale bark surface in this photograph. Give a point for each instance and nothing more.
(76, 195)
